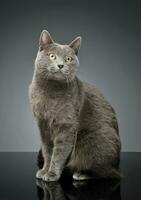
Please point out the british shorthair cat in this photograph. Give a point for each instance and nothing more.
(78, 126)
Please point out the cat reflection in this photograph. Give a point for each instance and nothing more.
(98, 190)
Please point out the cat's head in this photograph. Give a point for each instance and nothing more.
(55, 61)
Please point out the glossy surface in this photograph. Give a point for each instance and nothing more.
(17, 181)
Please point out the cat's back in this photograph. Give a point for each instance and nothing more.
(94, 95)
(96, 108)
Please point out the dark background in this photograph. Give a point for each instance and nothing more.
(110, 58)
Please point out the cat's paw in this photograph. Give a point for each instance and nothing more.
(81, 177)
(40, 173)
(50, 176)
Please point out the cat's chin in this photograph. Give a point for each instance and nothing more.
(58, 77)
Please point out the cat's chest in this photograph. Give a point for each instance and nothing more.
(48, 108)
(52, 110)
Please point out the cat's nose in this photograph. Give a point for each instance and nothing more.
(60, 66)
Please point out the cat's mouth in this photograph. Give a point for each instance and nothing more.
(60, 75)
(57, 75)
(56, 71)
(59, 72)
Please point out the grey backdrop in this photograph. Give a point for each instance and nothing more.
(110, 58)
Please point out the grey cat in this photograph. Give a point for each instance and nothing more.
(78, 127)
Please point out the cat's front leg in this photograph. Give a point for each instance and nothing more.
(46, 152)
(63, 145)
(46, 147)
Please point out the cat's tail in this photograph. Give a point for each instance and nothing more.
(40, 159)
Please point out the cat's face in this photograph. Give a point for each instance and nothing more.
(55, 61)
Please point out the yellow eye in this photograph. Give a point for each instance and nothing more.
(52, 56)
(68, 59)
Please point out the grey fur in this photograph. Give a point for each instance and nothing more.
(78, 127)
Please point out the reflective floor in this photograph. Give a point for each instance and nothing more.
(17, 181)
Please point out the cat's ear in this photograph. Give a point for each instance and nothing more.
(76, 44)
(45, 40)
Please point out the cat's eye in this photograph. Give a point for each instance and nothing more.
(68, 59)
(52, 56)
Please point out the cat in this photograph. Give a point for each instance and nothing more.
(78, 126)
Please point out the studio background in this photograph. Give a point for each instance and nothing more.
(110, 58)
